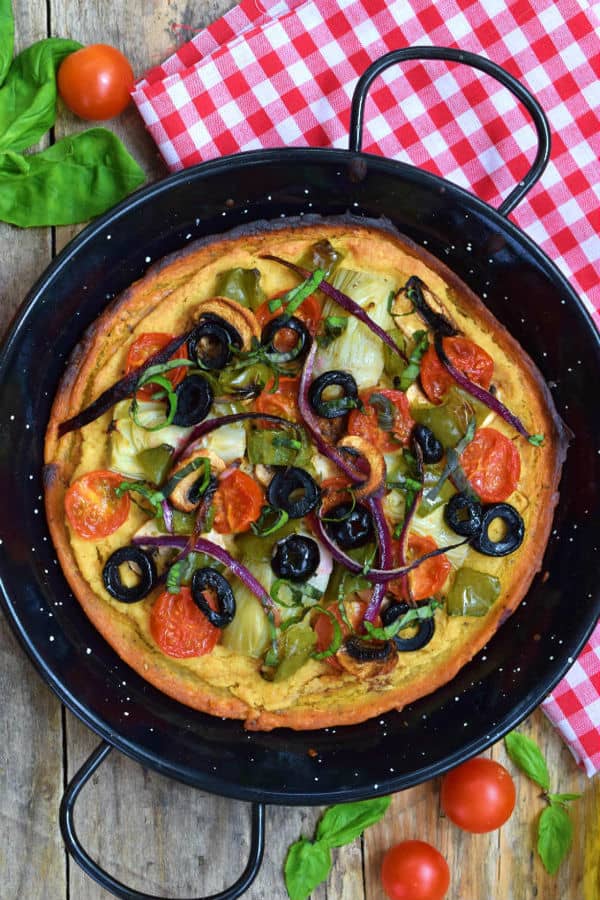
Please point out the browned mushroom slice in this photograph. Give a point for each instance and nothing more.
(375, 478)
(185, 495)
(242, 319)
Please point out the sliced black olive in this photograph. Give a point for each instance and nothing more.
(425, 627)
(294, 491)
(331, 409)
(463, 514)
(368, 650)
(349, 526)
(194, 400)
(210, 343)
(214, 581)
(511, 540)
(296, 558)
(111, 574)
(433, 449)
(271, 330)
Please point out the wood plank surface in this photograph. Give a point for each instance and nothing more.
(154, 834)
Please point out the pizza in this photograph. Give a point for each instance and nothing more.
(298, 474)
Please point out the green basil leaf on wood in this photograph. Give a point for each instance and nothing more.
(526, 754)
(72, 181)
(307, 864)
(7, 37)
(344, 822)
(555, 835)
(28, 95)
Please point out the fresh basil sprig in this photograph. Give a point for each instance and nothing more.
(411, 373)
(71, 181)
(555, 826)
(308, 862)
(416, 614)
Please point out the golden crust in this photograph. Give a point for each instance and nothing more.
(225, 683)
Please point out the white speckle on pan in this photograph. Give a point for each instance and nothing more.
(570, 659)
(375, 787)
(125, 713)
(88, 651)
(483, 658)
(562, 302)
(425, 242)
(484, 296)
(51, 638)
(197, 223)
(108, 237)
(392, 770)
(456, 699)
(306, 191)
(123, 683)
(148, 259)
(550, 657)
(316, 778)
(223, 213)
(465, 724)
(189, 234)
(36, 512)
(31, 477)
(269, 197)
(12, 418)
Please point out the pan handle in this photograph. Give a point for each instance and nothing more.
(117, 888)
(477, 62)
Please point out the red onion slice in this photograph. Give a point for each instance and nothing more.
(344, 301)
(478, 392)
(204, 428)
(384, 556)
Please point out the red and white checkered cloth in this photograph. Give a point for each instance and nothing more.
(282, 72)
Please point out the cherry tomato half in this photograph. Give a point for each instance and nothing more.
(95, 82)
(145, 346)
(465, 355)
(282, 402)
(366, 424)
(428, 578)
(179, 627)
(414, 870)
(92, 506)
(492, 464)
(324, 627)
(308, 312)
(238, 501)
(479, 795)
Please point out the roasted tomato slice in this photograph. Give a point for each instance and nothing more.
(238, 501)
(428, 578)
(324, 629)
(466, 355)
(179, 628)
(308, 312)
(367, 424)
(92, 506)
(145, 346)
(282, 402)
(492, 464)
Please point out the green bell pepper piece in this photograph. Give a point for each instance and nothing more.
(473, 593)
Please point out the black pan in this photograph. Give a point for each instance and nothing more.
(524, 660)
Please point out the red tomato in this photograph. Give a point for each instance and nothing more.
(145, 346)
(95, 82)
(365, 424)
(492, 464)
(92, 506)
(466, 355)
(324, 628)
(428, 578)
(414, 870)
(308, 312)
(179, 627)
(238, 502)
(282, 402)
(479, 795)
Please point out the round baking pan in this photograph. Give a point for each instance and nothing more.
(523, 289)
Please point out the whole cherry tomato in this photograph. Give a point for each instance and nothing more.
(467, 356)
(96, 82)
(492, 464)
(478, 795)
(92, 506)
(414, 870)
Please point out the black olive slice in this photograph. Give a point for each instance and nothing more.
(463, 514)
(296, 558)
(332, 409)
(214, 581)
(113, 582)
(210, 342)
(294, 491)
(433, 449)
(269, 336)
(425, 627)
(349, 526)
(194, 400)
(515, 531)
(368, 650)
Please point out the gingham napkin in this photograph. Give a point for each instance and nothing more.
(281, 73)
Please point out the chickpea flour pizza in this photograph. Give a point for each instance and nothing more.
(298, 474)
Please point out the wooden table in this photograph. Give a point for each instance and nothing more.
(152, 833)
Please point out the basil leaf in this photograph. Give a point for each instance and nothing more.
(7, 37)
(74, 180)
(411, 373)
(555, 835)
(148, 491)
(526, 754)
(563, 799)
(344, 822)
(28, 96)
(174, 577)
(415, 614)
(307, 864)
